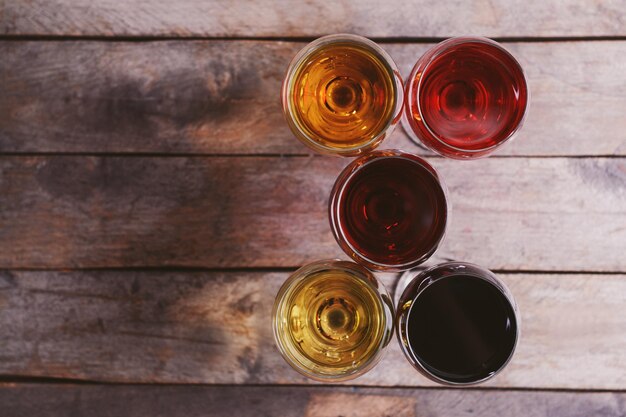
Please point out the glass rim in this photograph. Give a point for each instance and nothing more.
(427, 59)
(340, 186)
(491, 279)
(289, 79)
(358, 272)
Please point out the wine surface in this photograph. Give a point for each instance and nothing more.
(393, 211)
(472, 96)
(343, 95)
(462, 328)
(335, 320)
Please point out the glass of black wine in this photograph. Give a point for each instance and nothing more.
(457, 323)
(388, 210)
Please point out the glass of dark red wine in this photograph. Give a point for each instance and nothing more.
(457, 323)
(388, 210)
(465, 97)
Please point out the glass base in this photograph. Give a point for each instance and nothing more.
(409, 132)
(403, 281)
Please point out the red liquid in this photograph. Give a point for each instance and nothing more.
(392, 211)
(472, 96)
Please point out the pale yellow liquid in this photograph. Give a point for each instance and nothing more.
(334, 321)
(343, 96)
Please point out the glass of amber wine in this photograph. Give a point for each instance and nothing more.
(465, 97)
(332, 320)
(342, 95)
(457, 323)
(388, 210)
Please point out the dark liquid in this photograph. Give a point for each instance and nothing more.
(473, 97)
(393, 211)
(462, 328)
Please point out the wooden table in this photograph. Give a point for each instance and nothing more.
(153, 200)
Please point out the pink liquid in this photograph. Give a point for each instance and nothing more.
(468, 99)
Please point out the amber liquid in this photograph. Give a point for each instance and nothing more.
(462, 328)
(335, 321)
(344, 95)
(393, 211)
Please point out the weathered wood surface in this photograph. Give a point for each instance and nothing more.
(395, 18)
(214, 327)
(563, 214)
(222, 97)
(21, 400)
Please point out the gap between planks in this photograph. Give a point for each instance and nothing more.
(270, 155)
(296, 39)
(289, 268)
(23, 380)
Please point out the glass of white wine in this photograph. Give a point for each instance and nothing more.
(332, 320)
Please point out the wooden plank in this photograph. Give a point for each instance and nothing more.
(114, 400)
(563, 214)
(275, 18)
(221, 97)
(214, 327)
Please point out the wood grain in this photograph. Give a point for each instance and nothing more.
(222, 97)
(113, 401)
(395, 18)
(214, 328)
(507, 213)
